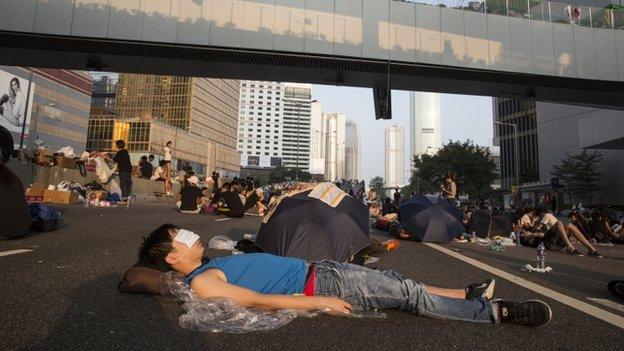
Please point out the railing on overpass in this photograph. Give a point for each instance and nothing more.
(549, 11)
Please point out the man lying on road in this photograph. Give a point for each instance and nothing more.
(269, 282)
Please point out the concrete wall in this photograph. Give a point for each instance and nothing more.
(372, 29)
(565, 128)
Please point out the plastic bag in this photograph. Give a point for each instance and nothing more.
(222, 315)
(67, 151)
(222, 242)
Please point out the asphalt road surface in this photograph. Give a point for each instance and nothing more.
(62, 294)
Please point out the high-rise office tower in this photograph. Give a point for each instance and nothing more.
(425, 123)
(352, 151)
(296, 118)
(395, 156)
(333, 145)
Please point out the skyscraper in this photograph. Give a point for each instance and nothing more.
(333, 145)
(425, 123)
(296, 118)
(395, 156)
(260, 123)
(199, 115)
(317, 158)
(352, 151)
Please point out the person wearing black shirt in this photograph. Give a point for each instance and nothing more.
(190, 196)
(146, 168)
(122, 159)
(15, 219)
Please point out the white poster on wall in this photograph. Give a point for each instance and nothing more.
(14, 115)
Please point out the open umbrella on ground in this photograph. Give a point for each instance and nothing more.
(308, 228)
(486, 223)
(431, 219)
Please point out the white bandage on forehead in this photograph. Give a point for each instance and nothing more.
(186, 237)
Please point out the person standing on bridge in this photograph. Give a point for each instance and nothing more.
(167, 151)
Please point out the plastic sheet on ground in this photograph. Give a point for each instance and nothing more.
(529, 268)
(222, 242)
(222, 315)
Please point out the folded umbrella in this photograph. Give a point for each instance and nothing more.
(430, 219)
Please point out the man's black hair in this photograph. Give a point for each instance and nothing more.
(143, 158)
(120, 144)
(527, 210)
(151, 156)
(156, 247)
(540, 211)
(7, 177)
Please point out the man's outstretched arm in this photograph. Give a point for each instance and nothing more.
(210, 287)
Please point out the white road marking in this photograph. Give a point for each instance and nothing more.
(585, 307)
(608, 303)
(14, 252)
(222, 219)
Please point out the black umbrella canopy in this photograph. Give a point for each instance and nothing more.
(308, 228)
(486, 223)
(431, 219)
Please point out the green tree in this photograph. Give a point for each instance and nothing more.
(472, 165)
(579, 173)
(282, 174)
(377, 184)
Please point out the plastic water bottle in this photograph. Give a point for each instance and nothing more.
(517, 238)
(541, 256)
(473, 237)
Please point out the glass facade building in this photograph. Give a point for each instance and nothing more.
(199, 115)
(522, 113)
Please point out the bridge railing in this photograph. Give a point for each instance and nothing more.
(549, 11)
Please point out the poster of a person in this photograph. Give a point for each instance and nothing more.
(13, 113)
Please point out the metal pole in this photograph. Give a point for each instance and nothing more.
(516, 155)
(26, 108)
(549, 13)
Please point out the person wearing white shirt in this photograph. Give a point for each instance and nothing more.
(12, 106)
(557, 234)
(160, 175)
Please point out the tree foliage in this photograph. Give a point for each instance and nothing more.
(472, 165)
(579, 173)
(377, 184)
(282, 174)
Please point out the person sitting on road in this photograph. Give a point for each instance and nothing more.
(230, 203)
(601, 230)
(268, 282)
(190, 197)
(557, 234)
(15, 219)
(145, 168)
(253, 201)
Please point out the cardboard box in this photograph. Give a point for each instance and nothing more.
(60, 197)
(65, 162)
(36, 190)
(43, 156)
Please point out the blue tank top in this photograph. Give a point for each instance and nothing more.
(260, 272)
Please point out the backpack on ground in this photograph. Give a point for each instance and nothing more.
(44, 218)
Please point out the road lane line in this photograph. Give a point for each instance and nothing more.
(608, 303)
(584, 307)
(14, 252)
(222, 219)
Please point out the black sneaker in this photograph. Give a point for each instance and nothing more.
(532, 313)
(616, 287)
(483, 290)
(594, 254)
(575, 252)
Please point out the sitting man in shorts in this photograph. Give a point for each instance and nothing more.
(557, 234)
(269, 282)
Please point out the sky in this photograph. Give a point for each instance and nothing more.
(463, 117)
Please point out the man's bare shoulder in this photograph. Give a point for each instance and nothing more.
(210, 275)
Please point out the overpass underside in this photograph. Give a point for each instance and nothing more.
(48, 51)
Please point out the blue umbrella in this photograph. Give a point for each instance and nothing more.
(431, 219)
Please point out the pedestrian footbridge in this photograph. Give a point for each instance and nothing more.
(507, 48)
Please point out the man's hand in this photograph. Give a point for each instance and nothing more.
(333, 305)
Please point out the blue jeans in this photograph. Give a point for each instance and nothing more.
(365, 288)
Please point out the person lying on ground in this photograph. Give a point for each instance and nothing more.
(557, 234)
(190, 197)
(268, 282)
